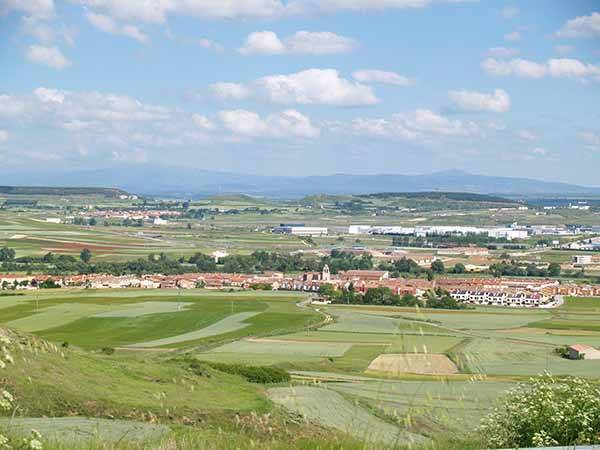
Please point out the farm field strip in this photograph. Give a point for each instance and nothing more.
(289, 349)
(56, 316)
(78, 430)
(145, 308)
(399, 343)
(231, 323)
(333, 410)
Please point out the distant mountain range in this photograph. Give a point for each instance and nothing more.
(184, 182)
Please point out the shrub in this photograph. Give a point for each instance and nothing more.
(254, 374)
(546, 412)
(107, 350)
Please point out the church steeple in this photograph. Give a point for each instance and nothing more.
(326, 276)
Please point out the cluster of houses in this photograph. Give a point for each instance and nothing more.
(515, 292)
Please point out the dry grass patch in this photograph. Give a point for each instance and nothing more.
(400, 363)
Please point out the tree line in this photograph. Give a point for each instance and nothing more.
(384, 296)
(257, 262)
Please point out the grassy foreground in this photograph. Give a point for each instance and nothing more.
(149, 401)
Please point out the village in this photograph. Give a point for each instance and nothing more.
(509, 292)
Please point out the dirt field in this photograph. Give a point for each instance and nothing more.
(396, 363)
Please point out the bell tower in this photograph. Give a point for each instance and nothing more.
(326, 276)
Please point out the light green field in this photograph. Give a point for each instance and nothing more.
(476, 320)
(403, 343)
(501, 357)
(332, 410)
(231, 323)
(450, 405)
(289, 349)
(145, 308)
(359, 322)
(88, 430)
(56, 316)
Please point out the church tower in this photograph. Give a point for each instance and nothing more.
(326, 276)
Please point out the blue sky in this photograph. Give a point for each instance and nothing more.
(300, 87)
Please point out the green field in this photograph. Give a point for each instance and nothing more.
(334, 411)
(159, 334)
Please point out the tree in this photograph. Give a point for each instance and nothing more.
(381, 296)
(85, 255)
(7, 254)
(327, 290)
(93, 222)
(554, 269)
(438, 266)
(459, 268)
(441, 299)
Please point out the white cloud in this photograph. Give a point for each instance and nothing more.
(157, 11)
(11, 106)
(202, 122)
(502, 52)
(44, 32)
(315, 86)
(421, 124)
(583, 26)
(592, 139)
(262, 42)
(564, 49)
(70, 107)
(230, 91)
(302, 42)
(308, 87)
(48, 56)
(510, 12)
(47, 95)
(512, 37)
(319, 43)
(34, 8)
(498, 101)
(572, 68)
(308, 6)
(527, 135)
(539, 151)
(108, 25)
(3, 136)
(135, 33)
(557, 68)
(286, 124)
(210, 45)
(382, 76)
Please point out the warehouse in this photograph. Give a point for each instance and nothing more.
(300, 230)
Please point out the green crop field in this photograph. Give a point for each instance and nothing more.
(332, 410)
(92, 321)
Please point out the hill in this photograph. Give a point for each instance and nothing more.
(61, 191)
(190, 182)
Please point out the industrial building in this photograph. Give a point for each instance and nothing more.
(300, 230)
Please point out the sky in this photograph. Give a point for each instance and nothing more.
(303, 87)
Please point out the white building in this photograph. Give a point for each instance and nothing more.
(301, 230)
(218, 254)
(581, 260)
(53, 220)
(500, 298)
